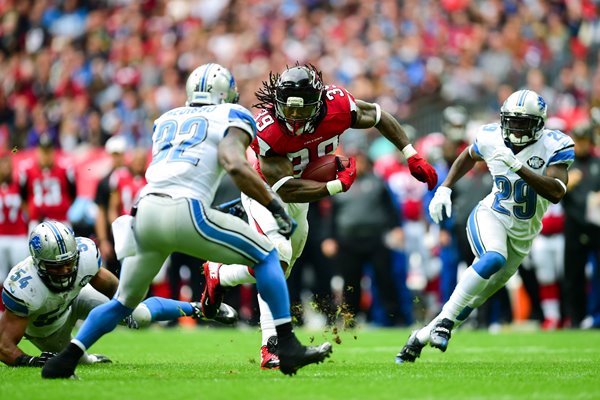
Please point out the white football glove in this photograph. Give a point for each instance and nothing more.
(506, 155)
(441, 200)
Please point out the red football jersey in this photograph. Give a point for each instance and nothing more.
(128, 186)
(553, 221)
(12, 221)
(272, 139)
(48, 193)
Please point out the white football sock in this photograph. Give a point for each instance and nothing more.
(469, 286)
(551, 309)
(235, 274)
(267, 325)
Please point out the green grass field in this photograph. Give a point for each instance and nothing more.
(209, 363)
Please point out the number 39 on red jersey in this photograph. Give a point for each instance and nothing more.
(272, 137)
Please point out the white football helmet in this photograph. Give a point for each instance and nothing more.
(53, 247)
(211, 84)
(522, 117)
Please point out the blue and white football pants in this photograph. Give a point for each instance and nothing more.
(164, 225)
(486, 233)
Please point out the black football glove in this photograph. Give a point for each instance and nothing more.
(32, 361)
(286, 224)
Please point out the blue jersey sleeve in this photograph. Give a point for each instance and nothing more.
(15, 305)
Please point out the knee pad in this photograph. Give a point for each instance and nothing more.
(142, 315)
(284, 249)
(489, 263)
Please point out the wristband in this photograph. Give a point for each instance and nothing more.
(274, 207)
(378, 113)
(516, 165)
(277, 185)
(334, 187)
(562, 184)
(409, 151)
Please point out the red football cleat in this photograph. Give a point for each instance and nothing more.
(212, 297)
(268, 354)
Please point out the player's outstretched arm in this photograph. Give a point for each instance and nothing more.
(371, 115)
(441, 202)
(232, 156)
(463, 164)
(12, 330)
(105, 282)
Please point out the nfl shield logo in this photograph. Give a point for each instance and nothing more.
(535, 162)
(36, 243)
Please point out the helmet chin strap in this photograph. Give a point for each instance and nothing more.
(306, 128)
(295, 132)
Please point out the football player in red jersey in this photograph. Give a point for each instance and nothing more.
(301, 120)
(125, 184)
(47, 184)
(13, 228)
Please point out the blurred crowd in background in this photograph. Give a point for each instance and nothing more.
(84, 81)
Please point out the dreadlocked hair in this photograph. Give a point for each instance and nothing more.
(266, 94)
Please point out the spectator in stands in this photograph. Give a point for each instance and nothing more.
(581, 232)
(47, 184)
(116, 146)
(13, 227)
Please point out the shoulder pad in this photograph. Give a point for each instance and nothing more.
(24, 292)
(90, 259)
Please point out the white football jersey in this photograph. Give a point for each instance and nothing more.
(513, 201)
(26, 295)
(184, 149)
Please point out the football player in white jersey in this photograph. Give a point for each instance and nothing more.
(529, 165)
(193, 147)
(61, 282)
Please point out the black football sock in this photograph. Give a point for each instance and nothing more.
(285, 334)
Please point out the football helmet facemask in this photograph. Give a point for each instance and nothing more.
(298, 94)
(211, 84)
(522, 117)
(53, 247)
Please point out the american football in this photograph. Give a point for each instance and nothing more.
(324, 169)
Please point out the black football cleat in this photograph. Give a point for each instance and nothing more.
(63, 365)
(294, 356)
(411, 350)
(441, 333)
(226, 314)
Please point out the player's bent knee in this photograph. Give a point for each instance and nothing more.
(142, 315)
(284, 249)
(130, 300)
(488, 264)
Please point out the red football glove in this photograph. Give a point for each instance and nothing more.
(420, 169)
(346, 175)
